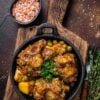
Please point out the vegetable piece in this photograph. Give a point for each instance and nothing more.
(47, 71)
(67, 87)
(59, 48)
(18, 77)
(64, 45)
(54, 41)
(48, 77)
(49, 43)
(24, 87)
(25, 78)
(62, 42)
(94, 76)
(69, 48)
(55, 73)
(37, 61)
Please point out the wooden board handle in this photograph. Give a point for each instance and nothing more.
(57, 10)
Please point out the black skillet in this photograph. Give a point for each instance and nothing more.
(54, 35)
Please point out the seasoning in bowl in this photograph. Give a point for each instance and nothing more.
(25, 10)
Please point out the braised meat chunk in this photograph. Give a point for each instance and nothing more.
(37, 61)
(38, 46)
(64, 59)
(32, 54)
(40, 88)
(48, 53)
(44, 90)
(68, 73)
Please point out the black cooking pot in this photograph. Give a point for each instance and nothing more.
(51, 36)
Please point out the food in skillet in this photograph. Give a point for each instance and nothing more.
(46, 69)
(25, 10)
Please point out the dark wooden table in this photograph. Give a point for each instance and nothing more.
(82, 17)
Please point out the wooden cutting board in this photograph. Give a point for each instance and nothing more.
(56, 12)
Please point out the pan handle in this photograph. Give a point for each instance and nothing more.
(42, 27)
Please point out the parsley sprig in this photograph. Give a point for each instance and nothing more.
(47, 71)
(94, 76)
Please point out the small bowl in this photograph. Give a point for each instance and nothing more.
(29, 22)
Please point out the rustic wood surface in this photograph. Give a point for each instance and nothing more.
(55, 16)
(56, 13)
(23, 34)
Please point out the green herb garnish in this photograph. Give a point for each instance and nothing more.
(47, 71)
(94, 76)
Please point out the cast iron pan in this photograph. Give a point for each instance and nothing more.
(51, 36)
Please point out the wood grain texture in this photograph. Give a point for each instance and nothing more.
(10, 93)
(84, 93)
(57, 9)
(56, 12)
(23, 34)
(55, 16)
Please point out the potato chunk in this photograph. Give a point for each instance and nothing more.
(18, 76)
(24, 87)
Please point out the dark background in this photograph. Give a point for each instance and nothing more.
(82, 17)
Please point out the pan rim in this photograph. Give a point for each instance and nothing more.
(27, 42)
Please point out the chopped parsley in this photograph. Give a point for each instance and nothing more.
(47, 71)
